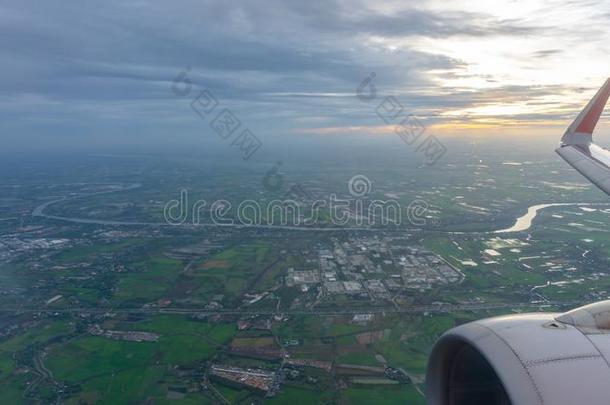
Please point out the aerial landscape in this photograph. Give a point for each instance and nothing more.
(214, 203)
(104, 299)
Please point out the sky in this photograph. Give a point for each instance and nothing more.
(77, 71)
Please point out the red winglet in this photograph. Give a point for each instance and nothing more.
(587, 125)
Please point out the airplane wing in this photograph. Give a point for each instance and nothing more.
(577, 147)
(538, 358)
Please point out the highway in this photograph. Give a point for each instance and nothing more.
(420, 309)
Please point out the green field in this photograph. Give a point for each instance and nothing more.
(112, 370)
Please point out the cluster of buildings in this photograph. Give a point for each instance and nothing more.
(421, 268)
(373, 267)
(269, 382)
(131, 336)
(14, 245)
(264, 382)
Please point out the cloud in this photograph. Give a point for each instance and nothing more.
(76, 66)
(349, 130)
(545, 53)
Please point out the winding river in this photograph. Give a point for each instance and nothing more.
(524, 222)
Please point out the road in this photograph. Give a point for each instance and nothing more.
(420, 309)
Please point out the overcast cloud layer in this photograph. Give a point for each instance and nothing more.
(94, 69)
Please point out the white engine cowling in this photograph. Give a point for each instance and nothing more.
(529, 359)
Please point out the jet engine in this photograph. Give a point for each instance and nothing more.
(528, 359)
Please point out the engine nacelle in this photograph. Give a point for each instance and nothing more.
(530, 359)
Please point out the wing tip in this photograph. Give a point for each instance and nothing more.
(581, 130)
